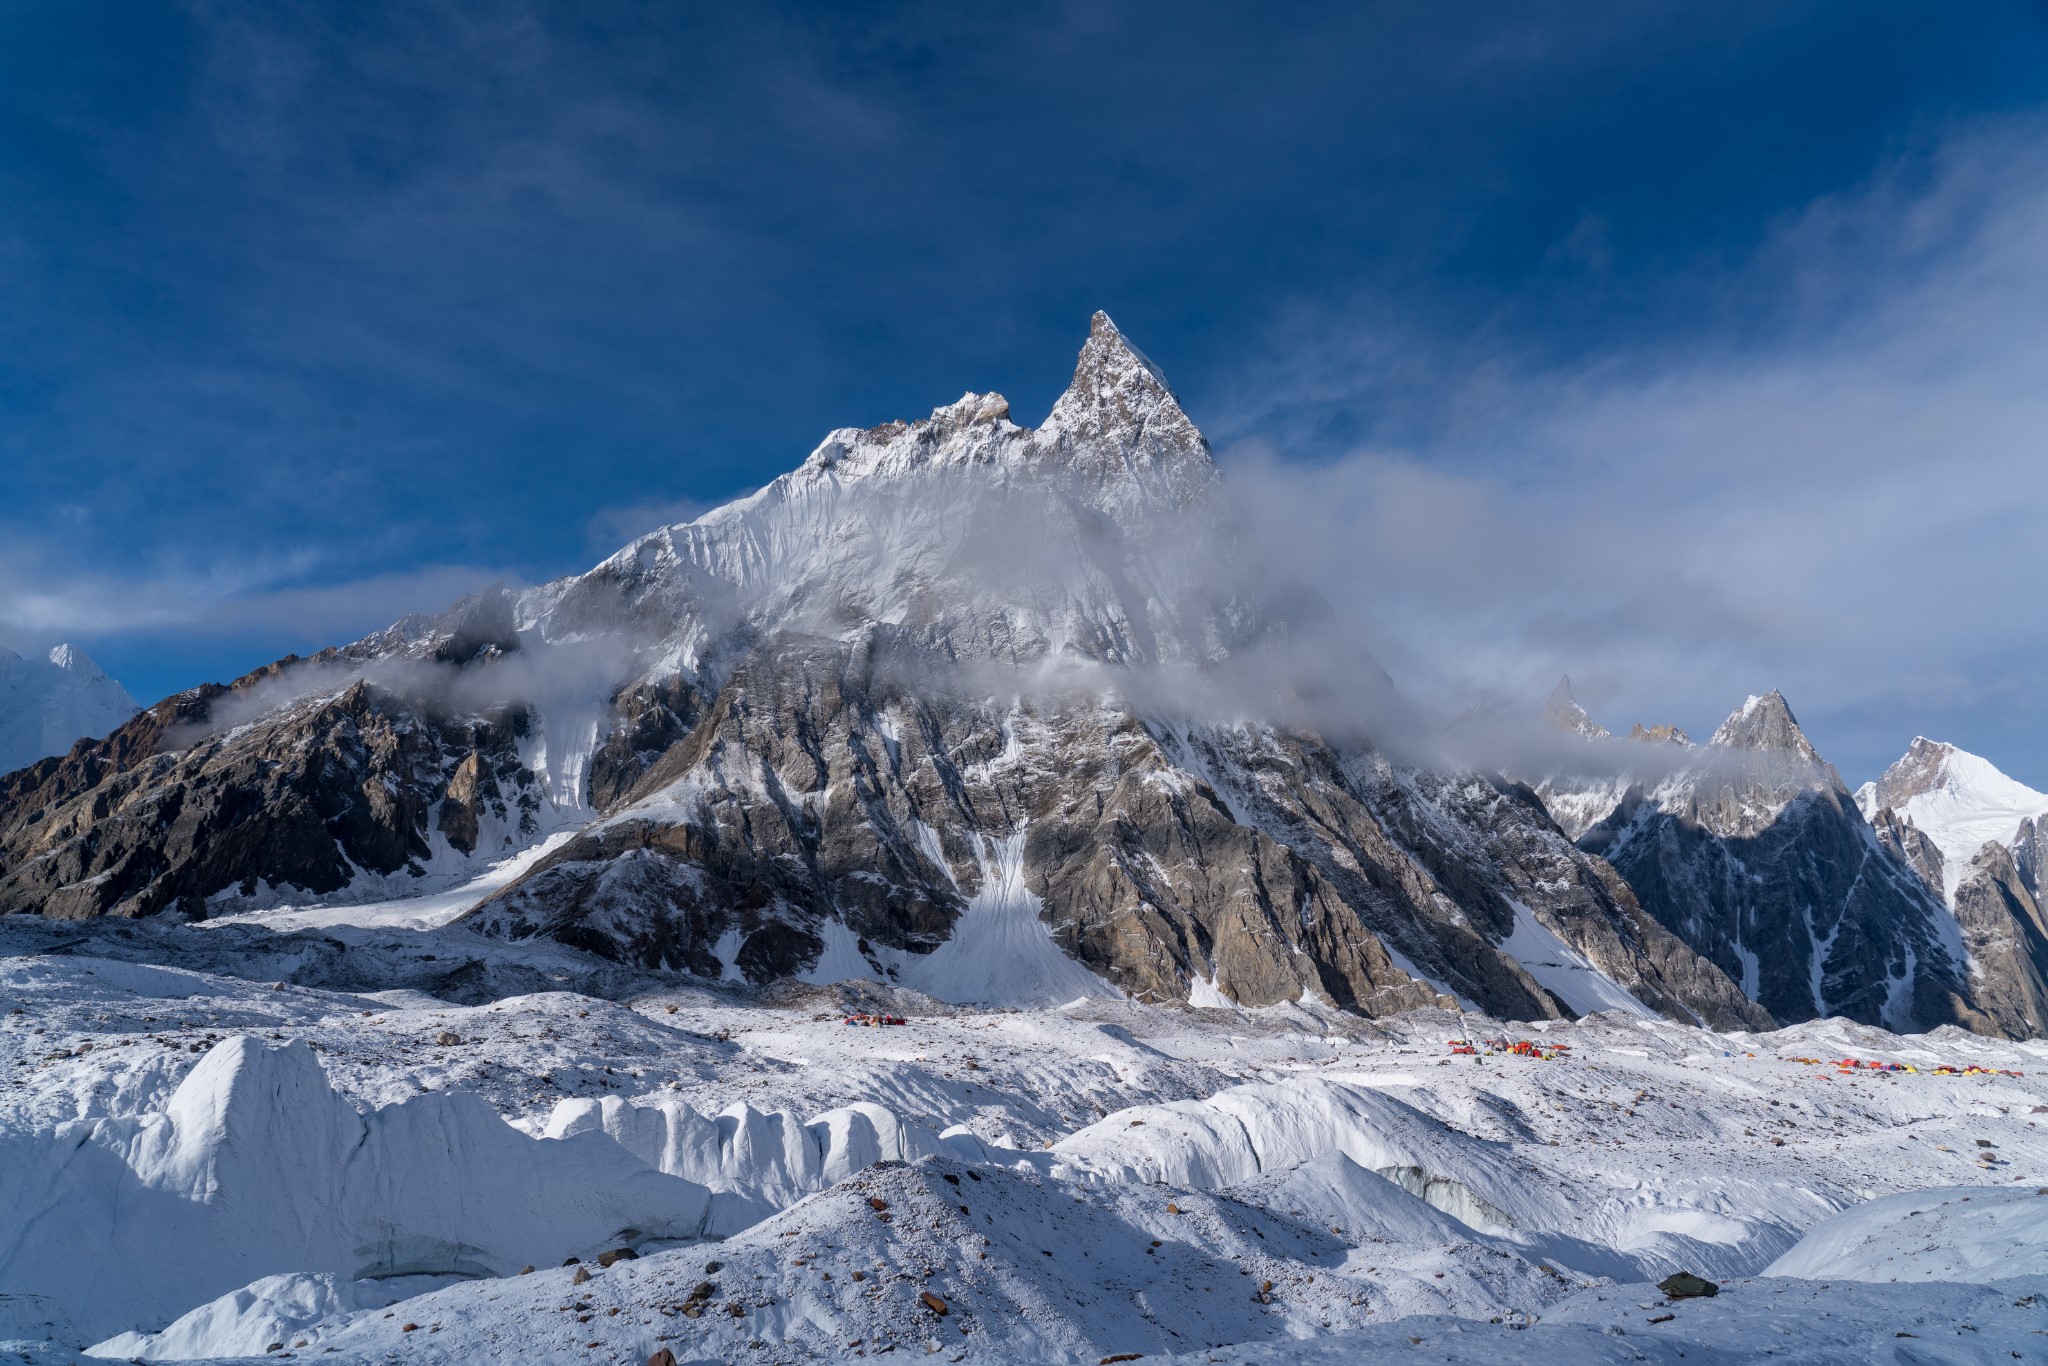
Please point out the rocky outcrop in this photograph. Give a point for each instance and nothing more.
(1755, 855)
(296, 781)
(2006, 935)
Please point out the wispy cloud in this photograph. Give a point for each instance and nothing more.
(1843, 501)
(41, 604)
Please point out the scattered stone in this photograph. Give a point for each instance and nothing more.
(581, 1277)
(447, 1038)
(1684, 1285)
(664, 1357)
(713, 1268)
(410, 1328)
(876, 1202)
(617, 1254)
(526, 1271)
(933, 1303)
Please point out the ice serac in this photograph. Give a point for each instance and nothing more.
(1753, 852)
(49, 704)
(256, 1167)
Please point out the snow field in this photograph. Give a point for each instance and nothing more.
(236, 1192)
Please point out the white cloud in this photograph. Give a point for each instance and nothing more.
(1844, 504)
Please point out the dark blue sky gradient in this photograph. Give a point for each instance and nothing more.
(315, 313)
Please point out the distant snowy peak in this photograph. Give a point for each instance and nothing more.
(1958, 800)
(49, 703)
(1563, 712)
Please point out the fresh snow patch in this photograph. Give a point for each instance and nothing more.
(250, 1321)
(405, 913)
(1563, 971)
(1001, 952)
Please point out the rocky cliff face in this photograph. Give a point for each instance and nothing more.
(933, 690)
(957, 703)
(307, 777)
(1752, 851)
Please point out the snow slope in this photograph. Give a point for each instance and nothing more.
(1963, 1233)
(48, 703)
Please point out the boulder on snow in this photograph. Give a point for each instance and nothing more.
(1683, 1285)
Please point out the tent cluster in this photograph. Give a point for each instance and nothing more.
(1518, 1048)
(1866, 1065)
(875, 1021)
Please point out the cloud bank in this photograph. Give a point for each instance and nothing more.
(1834, 488)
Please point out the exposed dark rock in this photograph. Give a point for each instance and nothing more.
(1756, 855)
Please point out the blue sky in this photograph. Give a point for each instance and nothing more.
(1544, 314)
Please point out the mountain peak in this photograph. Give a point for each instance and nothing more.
(73, 660)
(1563, 712)
(1957, 798)
(1108, 352)
(1765, 723)
(1119, 421)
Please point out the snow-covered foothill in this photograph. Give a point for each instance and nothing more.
(1961, 1233)
(274, 1312)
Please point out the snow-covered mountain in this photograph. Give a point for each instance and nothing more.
(1959, 801)
(1975, 838)
(48, 704)
(1751, 850)
(956, 703)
